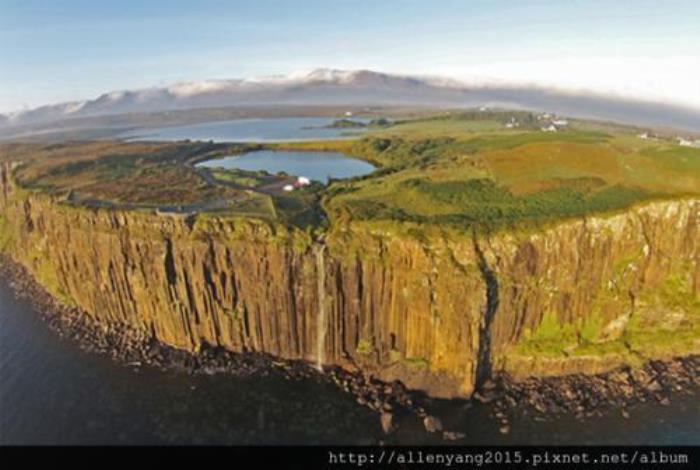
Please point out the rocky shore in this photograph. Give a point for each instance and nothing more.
(585, 396)
(578, 395)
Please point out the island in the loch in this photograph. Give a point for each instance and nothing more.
(503, 256)
(346, 123)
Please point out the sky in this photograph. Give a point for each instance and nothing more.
(54, 51)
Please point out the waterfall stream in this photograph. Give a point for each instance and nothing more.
(321, 325)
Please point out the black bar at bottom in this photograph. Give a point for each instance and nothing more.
(404, 457)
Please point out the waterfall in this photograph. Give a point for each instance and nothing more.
(321, 325)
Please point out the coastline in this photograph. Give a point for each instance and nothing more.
(126, 346)
(582, 396)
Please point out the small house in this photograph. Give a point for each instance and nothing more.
(648, 136)
(512, 123)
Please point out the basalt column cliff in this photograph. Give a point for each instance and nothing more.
(441, 312)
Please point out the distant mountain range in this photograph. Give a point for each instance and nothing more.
(361, 87)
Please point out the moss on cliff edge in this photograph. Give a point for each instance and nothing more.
(45, 273)
(5, 234)
(667, 320)
(554, 337)
(665, 323)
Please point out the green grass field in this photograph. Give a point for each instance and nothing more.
(451, 171)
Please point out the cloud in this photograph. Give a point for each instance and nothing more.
(671, 80)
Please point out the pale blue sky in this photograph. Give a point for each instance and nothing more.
(53, 51)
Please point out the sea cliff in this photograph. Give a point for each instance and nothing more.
(440, 309)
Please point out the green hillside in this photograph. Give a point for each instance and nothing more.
(489, 169)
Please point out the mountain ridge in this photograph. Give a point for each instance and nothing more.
(324, 86)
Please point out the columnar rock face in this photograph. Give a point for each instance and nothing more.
(441, 312)
(604, 272)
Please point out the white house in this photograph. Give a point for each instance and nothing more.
(684, 142)
(303, 181)
(550, 128)
(288, 187)
(512, 123)
(560, 122)
(648, 136)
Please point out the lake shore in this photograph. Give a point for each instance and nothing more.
(540, 398)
